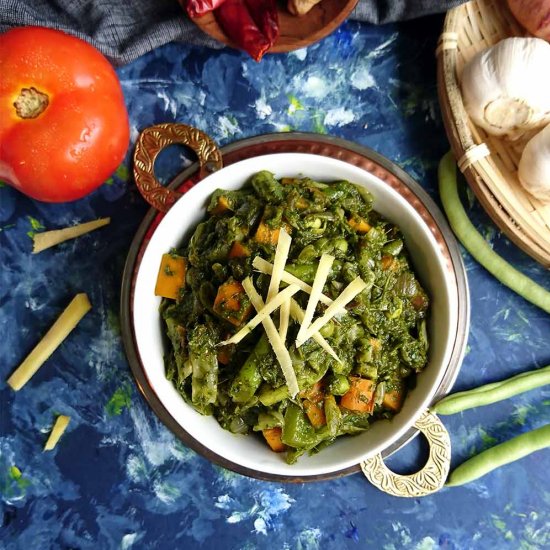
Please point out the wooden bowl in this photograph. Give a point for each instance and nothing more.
(295, 32)
(489, 163)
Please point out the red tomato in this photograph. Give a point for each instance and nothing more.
(63, 121)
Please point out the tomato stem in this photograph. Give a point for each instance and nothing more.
(30, 103)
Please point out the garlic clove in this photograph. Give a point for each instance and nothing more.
(534, 166)
(508, 112)
(505, 87)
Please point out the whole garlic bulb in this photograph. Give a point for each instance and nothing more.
(534, 166)
(506, 88)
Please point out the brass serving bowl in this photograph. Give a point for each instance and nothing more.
(435, 256)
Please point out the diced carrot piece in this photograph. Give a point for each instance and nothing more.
(301, 203)
(229, 294)
(315, 412)
(267, 235)
(273, 438)
(315, 394)
(224, 355)
(171, 276)
(222, 206)
(419, 302)
(231, 302)
(387, 262)
(359, 224)
(393, 399)
(360, 396)
(239, 250)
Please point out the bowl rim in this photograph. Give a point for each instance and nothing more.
(148, 226)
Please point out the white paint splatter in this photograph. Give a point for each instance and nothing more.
(263, 110)
(315, 87)
(228, 127)
(104, 351)
(166, 492)
(427, 543)
(379, 50)
(300, 54)
(404, 534)
(309, 539)
(339, 117)
(362, 79)
(157, 445)
(260, 526)
(129, 540)
(265, 508)
(33, 304)
(280, 127)
(136, 469)
(169, 103)
(134, 133)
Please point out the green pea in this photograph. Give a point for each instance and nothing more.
(341, 245)
(313, 222)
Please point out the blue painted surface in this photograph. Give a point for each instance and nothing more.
(119, 478)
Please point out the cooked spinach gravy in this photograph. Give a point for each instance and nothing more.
(380, 338)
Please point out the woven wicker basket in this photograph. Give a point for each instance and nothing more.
(488, 162)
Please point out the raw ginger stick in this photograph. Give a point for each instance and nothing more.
(47, 239)
(67, 321)
(58, 429)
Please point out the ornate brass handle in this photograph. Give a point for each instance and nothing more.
(428, 480)
(151, 142)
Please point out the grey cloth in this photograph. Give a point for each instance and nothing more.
(126, 29)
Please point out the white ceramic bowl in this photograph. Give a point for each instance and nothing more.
(432, 264)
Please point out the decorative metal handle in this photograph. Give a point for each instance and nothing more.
(151, 142)
(428, 480)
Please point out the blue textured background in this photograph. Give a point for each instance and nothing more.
(119, 478)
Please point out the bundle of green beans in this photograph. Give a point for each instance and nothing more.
(506, 452)
(526, 443)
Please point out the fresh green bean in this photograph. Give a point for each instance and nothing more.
(271, 396)
(499, 455)
(333, 415)
(338, 385)
(477, 246)
(393, 247)
(297, 430)
(249, 378)
(306, 272)
(268, 187)
(270, 419)
(203, 357)
(491, 393)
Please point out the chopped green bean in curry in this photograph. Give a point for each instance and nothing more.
(380, 339)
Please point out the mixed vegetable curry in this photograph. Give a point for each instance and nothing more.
(340, 333)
